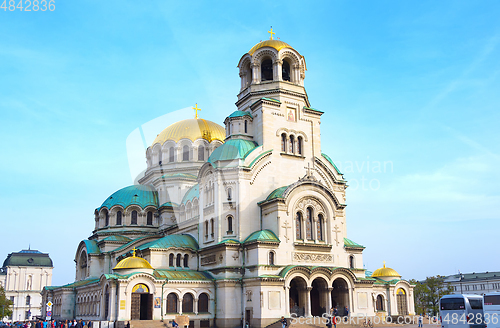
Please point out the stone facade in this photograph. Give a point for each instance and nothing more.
(246, 227)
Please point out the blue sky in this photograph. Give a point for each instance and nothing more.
(412, 84)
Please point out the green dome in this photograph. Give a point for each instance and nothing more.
(232, 149)
(240, 113)
(262, 236)
(191, 194)
(175, 241)
(132, 195)
(28, 257)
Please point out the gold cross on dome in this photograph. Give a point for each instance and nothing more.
(133, 251)
(196, 111)
(271, 32)
(384, 264)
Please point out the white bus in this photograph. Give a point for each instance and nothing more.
(491, 309)
(461, 311)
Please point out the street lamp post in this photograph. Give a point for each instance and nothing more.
(461, 278)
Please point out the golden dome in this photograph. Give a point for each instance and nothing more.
(192, 129)
(386, 272)
(133, 262)
(276, 44)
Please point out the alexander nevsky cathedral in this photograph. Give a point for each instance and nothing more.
(233, 224)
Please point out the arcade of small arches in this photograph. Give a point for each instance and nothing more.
(187, 303)
(133, 215)
(178, 260)
(315, 294)
(190, 210)
(312, 222)
(183, 151)
(269, 65)
(291, 144)
(88, 304)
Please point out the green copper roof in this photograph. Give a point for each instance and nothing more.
(117, 238)
(262, 236)
(271, 99)
(179, 175)
(231, 150)
(179, 241)
(129, 243)
(313, 109)
(182, 275)
(136, 194)
(170, 204)
(192, 193)
(91, 246)
(331, 162)
(229, 241)
(350, 243)
(277, 193)
(29, 257)
(240, 113)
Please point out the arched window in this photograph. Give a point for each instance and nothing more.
(271, 258)
(119, 218)
(229, 225)
(285, 71)
(309, 224)
(106, 218)
(171, 260)
(186, 261)
(298, 226)
(266, 69)
(283, 142)
(185, 153)
(149, 220)
(178, 260)
(292, 144)
(246, 127)
(134, 217)
(28, 300)
(203, 303)
(321, 222)
(351, 262)
(212, 227)
(380, 303)
(171, 154)
(171, 303)
(229, 194)
(187, 303)
(201, 153)
(206, 228)
(299, 145)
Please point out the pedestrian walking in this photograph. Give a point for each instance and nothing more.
(284, 323)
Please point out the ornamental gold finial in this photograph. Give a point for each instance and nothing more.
(384, 264)
(271, 32)
(196, 109)
(133, 251)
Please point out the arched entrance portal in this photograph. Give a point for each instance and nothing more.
(141, 305)
(401, 300)
(298, 296)
(340, 295)
(319, 297)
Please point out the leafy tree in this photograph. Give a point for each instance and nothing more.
(5, 304)
(428, 292)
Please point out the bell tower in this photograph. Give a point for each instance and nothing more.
(272, 90)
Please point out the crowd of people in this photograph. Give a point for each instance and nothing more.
(50, 324)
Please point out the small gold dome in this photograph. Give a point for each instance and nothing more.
(133, 262)
(192, 129)
(276, 44)
(386, 272)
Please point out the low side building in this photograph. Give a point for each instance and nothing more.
(474, 283)
(23, 275)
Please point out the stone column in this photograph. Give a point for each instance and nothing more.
(277, 70)
(308, 302)
(255, 73)
(195, 306)
(179, 306)
(329, 300)
(112, 301)
(287, 301)
(243, 78)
